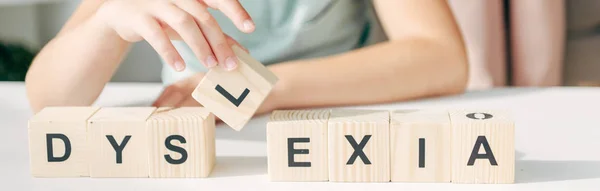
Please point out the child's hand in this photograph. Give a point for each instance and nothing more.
(179, 94)
(159, 21)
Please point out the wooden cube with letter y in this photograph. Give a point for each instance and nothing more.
(181, 142)
(483, 147)
(118, 142)
(57, 142)
(359, 147)
(234, 96)
(297, 145)
(420, 146)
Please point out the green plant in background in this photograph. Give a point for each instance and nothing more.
(14, 61)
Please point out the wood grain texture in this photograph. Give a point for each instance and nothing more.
(359, 124)
(408, 128)
(498, 129)
(70, 122)
(197, 128)
(287, 125)
(250, 76)
(119, 123)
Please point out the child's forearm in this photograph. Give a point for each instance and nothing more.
(387, 72)
(73, 68)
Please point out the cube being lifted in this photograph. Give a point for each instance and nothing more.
(181, 142)
(234, 96)
(483, 147)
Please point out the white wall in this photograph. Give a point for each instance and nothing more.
(35, 25)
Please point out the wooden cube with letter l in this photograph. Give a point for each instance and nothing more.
(234, 96)
(483, 147)
(181, 142)
(359, 146)
(420, 146)
(118, 142)
(57, 142)
(297, 145)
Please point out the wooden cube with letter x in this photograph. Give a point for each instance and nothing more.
(181, 142)
(483, 147)
(297, 145)
(118, 142)
(234, 96)
(57, 142)
(420, 146)
(359, 147)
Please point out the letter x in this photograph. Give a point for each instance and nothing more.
(358, 149)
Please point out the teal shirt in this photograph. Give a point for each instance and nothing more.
(293, 29)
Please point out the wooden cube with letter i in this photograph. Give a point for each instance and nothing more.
(483, 147)
(297, 145)
(359, 146)
(234, 96)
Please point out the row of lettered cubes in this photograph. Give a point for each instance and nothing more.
(463, 146)
(122, 142)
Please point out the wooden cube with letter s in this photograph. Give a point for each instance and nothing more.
(483, 147)
(234, 96)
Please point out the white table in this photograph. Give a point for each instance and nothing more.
(557, 143)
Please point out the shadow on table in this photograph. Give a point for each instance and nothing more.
(230, 166)
(532, 171)
(255, 130)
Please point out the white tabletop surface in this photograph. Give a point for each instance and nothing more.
(557, 144)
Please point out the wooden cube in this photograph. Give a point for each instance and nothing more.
(359, 146)
(118, 142)
(420, 146)
(483, 147)
(57, 142)
(297, 145)
(181, 142)
(234, 96)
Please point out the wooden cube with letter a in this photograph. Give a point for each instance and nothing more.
(420, 146)
(297, 145)
(359, 146)
(483, 147)
(234, 96)
(57, 142)
(181, 142)
(118, 142)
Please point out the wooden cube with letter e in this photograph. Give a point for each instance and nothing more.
(118, 142)
(58, 143)
(181, 142)
(297, 145)
(234, 96)
(420, 146)
(359, 146)
(483, 147)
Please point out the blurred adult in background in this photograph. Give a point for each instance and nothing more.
(513, 42)
(325, 52)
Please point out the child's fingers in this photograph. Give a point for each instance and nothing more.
(151, 31)
(185, 25)
(233, 42)
(212, 31)
(234, 11)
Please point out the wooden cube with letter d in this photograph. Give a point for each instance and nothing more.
(234, 96)
(483, 147)
(297, 145)
(57, 142)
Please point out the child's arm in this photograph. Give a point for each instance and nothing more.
(425, 56)
(74, 67)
